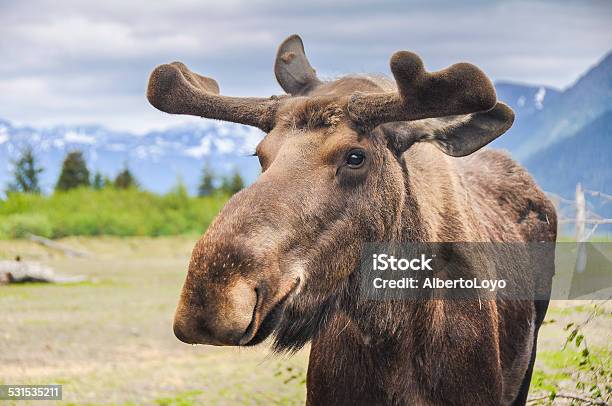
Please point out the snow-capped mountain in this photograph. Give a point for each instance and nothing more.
(559, 115)
(567, 137)
(158, 158)
(525, 99)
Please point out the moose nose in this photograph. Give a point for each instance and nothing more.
(218, 316)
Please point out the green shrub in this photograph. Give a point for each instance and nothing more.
(21, 225)
(108, 211)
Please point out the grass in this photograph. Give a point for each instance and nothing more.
(110, 211)
(109, 340)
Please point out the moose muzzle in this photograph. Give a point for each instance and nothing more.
(219, 299)
(216, 318)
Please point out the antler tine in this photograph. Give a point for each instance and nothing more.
(174, 89)
(459, 89)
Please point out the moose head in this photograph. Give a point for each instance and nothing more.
(281, 254)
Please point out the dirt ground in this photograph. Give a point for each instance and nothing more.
(109, 340)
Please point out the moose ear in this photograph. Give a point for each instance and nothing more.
(454, 135)
(292, 69)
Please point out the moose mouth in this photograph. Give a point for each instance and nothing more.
(258, 330)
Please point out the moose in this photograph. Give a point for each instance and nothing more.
(347, 161)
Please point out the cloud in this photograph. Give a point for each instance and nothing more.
(88, 62)
(85, 38)
(3, 135)
(79, 138)
(225, 146)
(201, 150)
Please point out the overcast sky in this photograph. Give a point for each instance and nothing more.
(88, 62)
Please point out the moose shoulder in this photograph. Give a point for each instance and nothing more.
(351, 161)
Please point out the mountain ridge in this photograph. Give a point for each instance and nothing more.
(158, 158)
(561, 116)
(581, 158)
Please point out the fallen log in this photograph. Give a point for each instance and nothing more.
(57, 246)
(21, 272)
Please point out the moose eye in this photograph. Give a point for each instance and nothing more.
(355, 159)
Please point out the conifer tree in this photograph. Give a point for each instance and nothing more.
(206, 187)
(98, 181)
(125, 179)
(74, 172)
(25, 173)
(232, 184)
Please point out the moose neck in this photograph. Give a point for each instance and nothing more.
(436, 205)
(433, 211)
(373, 339)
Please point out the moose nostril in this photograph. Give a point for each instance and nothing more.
(178, 333)
(222, 320)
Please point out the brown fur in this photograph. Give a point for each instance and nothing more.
(282, 256)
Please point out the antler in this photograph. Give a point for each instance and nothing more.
(174, 89)
(459, 89)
